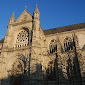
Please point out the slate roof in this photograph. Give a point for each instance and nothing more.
(65, 28)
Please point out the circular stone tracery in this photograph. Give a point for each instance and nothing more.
(22, 36)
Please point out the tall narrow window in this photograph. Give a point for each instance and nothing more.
(68, 44)
(53, 46)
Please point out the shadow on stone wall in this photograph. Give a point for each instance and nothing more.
(36, 78)
(53, 76)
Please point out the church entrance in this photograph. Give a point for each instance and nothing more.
(17, 72)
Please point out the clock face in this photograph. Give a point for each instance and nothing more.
(22, 36)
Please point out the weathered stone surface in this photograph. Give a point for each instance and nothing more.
(30, 55)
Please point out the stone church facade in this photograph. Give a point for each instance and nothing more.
(30, 55)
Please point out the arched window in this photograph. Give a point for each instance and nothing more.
(53, 46)
(50, 71)
(68, 44)
(22, 38)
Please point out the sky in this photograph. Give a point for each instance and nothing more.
(53, 13)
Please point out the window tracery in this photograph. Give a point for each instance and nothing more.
(53, 46)
(68, 44)
(22, 39)
(22, 36)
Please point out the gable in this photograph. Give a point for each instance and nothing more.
(25, 16)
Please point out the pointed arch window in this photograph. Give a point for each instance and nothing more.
(53, 46)
(68, 44)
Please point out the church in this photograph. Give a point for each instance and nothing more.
(30, 55)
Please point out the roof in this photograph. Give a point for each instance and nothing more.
(65, 28)
(2, 41)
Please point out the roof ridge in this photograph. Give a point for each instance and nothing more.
(66, 26)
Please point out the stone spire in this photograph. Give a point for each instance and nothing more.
(36, 13)
(12, 19)
(36, 10)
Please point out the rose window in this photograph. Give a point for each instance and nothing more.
(22, 39)
(22, 36)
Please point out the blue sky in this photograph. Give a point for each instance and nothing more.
(53, 13)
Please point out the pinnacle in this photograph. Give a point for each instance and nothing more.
(12, 15)
(36, 10)
(12, 19)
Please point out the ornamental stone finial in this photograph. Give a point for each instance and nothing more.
(25, 7)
